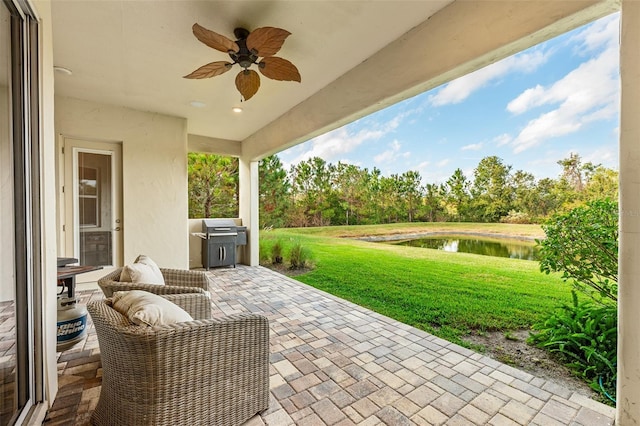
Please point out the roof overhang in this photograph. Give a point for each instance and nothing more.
(354, 57)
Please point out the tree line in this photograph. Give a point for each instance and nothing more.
(317, 193)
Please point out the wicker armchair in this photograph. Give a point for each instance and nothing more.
(202, 372)
(176, 281)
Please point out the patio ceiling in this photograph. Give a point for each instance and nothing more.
(355, 57)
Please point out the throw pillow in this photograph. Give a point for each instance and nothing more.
(144, 308)
(143, 270)
(146, 260)
(141, 273)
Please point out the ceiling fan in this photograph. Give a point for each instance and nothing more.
(245, 51)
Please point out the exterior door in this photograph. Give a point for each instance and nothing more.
(92, 191)
(21, 325)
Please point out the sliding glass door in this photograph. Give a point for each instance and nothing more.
(8, 372)
(20, 299)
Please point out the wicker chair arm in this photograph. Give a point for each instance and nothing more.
(185, 277)
(198, 305)
(111, 276)
(109, 288)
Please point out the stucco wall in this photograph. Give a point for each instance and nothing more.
(154, 171)
(48, 202)
(628, 384)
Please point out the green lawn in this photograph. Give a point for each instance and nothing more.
(447, 294)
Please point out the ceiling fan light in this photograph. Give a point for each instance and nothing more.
(245, 61)
(237, 110)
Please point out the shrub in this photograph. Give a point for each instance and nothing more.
(276, 252)
(516, 217)
(583, 245)
(299, 256)
(265, 252)
(584, 335)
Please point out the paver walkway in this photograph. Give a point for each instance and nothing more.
(336, 363)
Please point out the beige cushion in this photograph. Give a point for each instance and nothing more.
(143, 270)
(146, 260)
(144, 308)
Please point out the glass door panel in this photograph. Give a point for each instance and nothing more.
(95, 208)
(8, 400)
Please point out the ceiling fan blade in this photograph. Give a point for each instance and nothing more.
(210, 70)
(214, 40)
(279, 69)
(248, 83)
(266, 41)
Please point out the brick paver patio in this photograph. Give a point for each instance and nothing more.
(336, 363)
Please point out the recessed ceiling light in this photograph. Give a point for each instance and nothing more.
(62, 70)
(236, 109)
(197, 104)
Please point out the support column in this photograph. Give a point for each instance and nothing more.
(248, 205)
(628, 383)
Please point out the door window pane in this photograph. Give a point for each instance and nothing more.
(8, 404)
(95, 208)
(89, 199)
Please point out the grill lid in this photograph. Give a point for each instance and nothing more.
(214, 223)
(219, 225)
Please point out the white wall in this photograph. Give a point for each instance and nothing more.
(628, 384)
(154, 167)
(48, 200)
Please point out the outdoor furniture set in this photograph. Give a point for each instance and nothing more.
(167, 361)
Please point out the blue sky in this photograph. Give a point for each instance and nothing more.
(531, 109)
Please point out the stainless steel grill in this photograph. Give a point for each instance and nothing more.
(220, 238)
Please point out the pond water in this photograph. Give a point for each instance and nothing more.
(504, 247)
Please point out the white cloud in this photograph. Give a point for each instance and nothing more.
(460, 89)
(549, 125)
(435, 173)
(527, 99)
(588, 93)
(602, 33)
(550, 158)
(472, 147)
(502, 139)
(390, 155)
(605, 155)
(336, 143)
